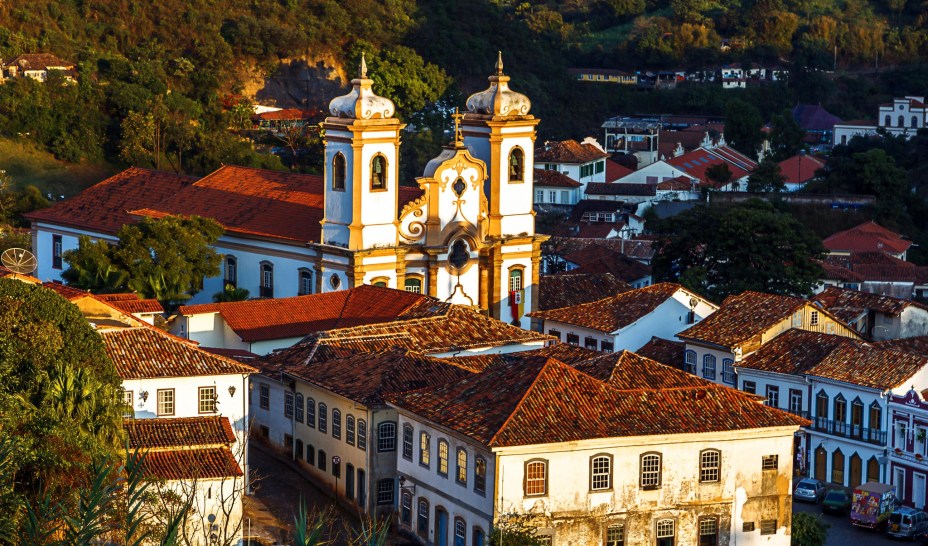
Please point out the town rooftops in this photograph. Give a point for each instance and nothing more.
(550, 178)
(192, 464)
(596, 259)
(700, 160)
(848, 305)
(286, 114)
(867, 237)
(794, 352)
(627, 370)
(568, 151)
(132, 303)
(615, 171)
(299, 316)
(143, 353)
(616, 188)
(504, 405)
(742, 317)
(665, 351)
(40, 61)
(570, 288)
(104, 207)
(10, 274)
(616, 312)
(800, 168)
(210, 430)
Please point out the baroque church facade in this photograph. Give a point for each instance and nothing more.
(469, 238)
(466, 235)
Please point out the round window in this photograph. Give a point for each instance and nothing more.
(335, 281)
(458, 255)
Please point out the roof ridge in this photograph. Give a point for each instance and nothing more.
(524, 396)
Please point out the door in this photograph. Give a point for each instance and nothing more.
(856, 464)
(441, 527)
(820, 462)
(899, 483)
(918, 490)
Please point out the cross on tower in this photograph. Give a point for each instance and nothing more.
(457, 117)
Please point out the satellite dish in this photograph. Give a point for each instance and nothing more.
(18, 260)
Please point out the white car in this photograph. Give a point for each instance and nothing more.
(809, 490)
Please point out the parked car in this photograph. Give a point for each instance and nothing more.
(809, 490)
(837, 502)
(907, 522)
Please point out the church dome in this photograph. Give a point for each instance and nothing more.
(361, 102)
(499, 100)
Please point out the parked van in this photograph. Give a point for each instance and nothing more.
(907, 522)
(872, 504)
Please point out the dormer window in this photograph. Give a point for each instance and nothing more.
(516, 165)
(379, 173)
(338, 172)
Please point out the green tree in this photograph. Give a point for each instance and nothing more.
(92, 267)
(767, 177)
(720, 174)
(742, 127)
(785, 136)
(400, 74)
(808, 530)
(723, 251)
(230, 293)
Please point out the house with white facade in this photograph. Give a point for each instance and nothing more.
(534, 441)
(876, 316)
(695, 166)
(552, 187)
(626, 321)
(904, 116)
(733, 77)
(744, 323)
(38, 66)
(583, 162)
(466, 234)
(867, 237)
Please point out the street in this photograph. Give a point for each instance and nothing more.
(841, 532)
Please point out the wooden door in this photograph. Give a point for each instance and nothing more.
(821, 462)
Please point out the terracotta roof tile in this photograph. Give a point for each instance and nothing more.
(742, 317)
(179, 432)
(569, 288)
(665, 351)
(39, 61)
(8, 273)
(915, 345)
(613, 313)
(183, 464)
(794, 352)
(697, 162)
(599, 259)
(143, 353)
(861, 364)
(504, 406)
(626, 370)
(615, 171)
(585, 230)
(554, 179)
(639, 249)
(104, 207)
(568, 151)
(867, 237)
(848, 305)
(799, 169)
(565, 352)
(131, 303)
(620, 189)
(285, 114)
(257, 320)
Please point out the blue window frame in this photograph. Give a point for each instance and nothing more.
(708, 367)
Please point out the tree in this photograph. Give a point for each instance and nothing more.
(92, 267)
(400, 74)
(751, 246)
(785, 136)
(767, 177)
(513, 530)
(742, 127)
(808, 530)
(230, 293)
(720, 174)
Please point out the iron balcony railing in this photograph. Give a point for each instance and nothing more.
(847, 430)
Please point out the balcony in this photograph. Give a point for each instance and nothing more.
(846, 430)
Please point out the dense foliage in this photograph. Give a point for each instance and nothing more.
(720, 251)
(60, 402)
(809, 530)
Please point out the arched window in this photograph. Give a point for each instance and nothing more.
(901, 121)
(516, 165)
(821, 405)
(650, 477)
(708, 531)
(728, 371)
(337, 424)
(310, 413)
(600, 472)
(875, 422)
(458, 254)
(461, 474)
(837, 467)
(536, 478)
(422, 523)
(349, 429)
(323, 418)
(386, 437)
(413, 284)
(857, 416)
(665, 532)
(914, 122)
(310, 455)
(382, 282)
(378, 173)
(840, 415)
(708, 366)
(479, 537)
(406, 508)
(306, 282)
(425, 449)
(873, 469)
(460, 532)
(349, 481)
(887, 121)
(298, 406)
(443, 457)
(231, 276)
(362, 435)
(710, 463)
(338, 172)
(267, 280)
(515, 279)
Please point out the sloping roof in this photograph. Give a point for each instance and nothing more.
(104, 207)
(873, 267)
(179, 432)
(697, 162)
(504, 405)
(299, 316)
(839, 272)
(180, 464)
(794, 352)
(563, 352)
(143, 353)
(131, 303)
(615, 188)
(628, 371)
(848, 305)
(680, 183)
(916, 345)
(799, 169)
(665, 351)
(868, 366)
(615, 171)
(741, 317)
(812, 117)
(594, 205)
(613, 313)
(867, 237)
(568, 151)
(39, 61)
(550, 178)
(599, 259)
(570, 288)
(251, 202)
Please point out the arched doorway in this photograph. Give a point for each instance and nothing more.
(441, 527)
(837, 467)
(873, 470)
(855, 468)
(821, 462)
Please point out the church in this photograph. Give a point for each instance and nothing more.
(465, 236)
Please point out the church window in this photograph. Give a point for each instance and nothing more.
(459, 187)
(516, 165)
(338, 172)
(267, 280)
(379, 173)
(459, 255)
(413, 284)
(306, 282)
(335, 281)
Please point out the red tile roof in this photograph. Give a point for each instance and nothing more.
(697, 162)
(258, 320)
(251, 202)
(867, 237)
(848, 305)
(616, 312)
(794, 352)
(568, 151)
(143, 353)
(504, 405)
(105, 207)
(131, 303)
(570, 288)
(621, 189)
(554, 179)
(599, 259)
(743, 317)
(665, 351)
(8, 273)
(39, 61)
(799, 169)
(916, 345)
(629, 371)
(680, 183)
(186, 464)
(179, 432)
(585, 230)
(615, 171)
(869, 366)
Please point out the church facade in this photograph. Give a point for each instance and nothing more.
(466, 236)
